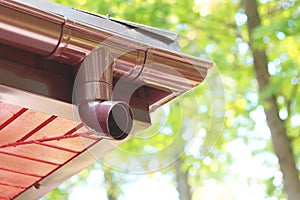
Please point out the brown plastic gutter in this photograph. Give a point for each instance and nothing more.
(66, 39)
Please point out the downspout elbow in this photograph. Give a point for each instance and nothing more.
(93, 96)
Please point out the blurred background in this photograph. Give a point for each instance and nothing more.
(216, 142)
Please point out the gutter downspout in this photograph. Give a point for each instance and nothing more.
(93, 94)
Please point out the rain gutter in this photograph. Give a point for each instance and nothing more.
(67, 35)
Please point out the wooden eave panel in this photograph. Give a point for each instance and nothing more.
(33, 145)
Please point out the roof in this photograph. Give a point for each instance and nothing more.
(42, 46)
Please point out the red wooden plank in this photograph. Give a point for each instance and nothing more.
(39, 127)
(7, 192)
(24, 165)
(27, 158)
(77, 143)
(18, 172)
(86, 135)
(11, 119)
(11, 185)
(42, 153)
(75, 129)
(22, 125)
(56, 128)
(57, 147)
(16, 180)
(7, 111)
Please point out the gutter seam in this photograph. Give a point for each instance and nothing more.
(60, 39)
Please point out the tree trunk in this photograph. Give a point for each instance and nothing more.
(183, 186)
(112, 186)
(281, 142)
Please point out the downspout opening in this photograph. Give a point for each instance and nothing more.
(110, 119)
